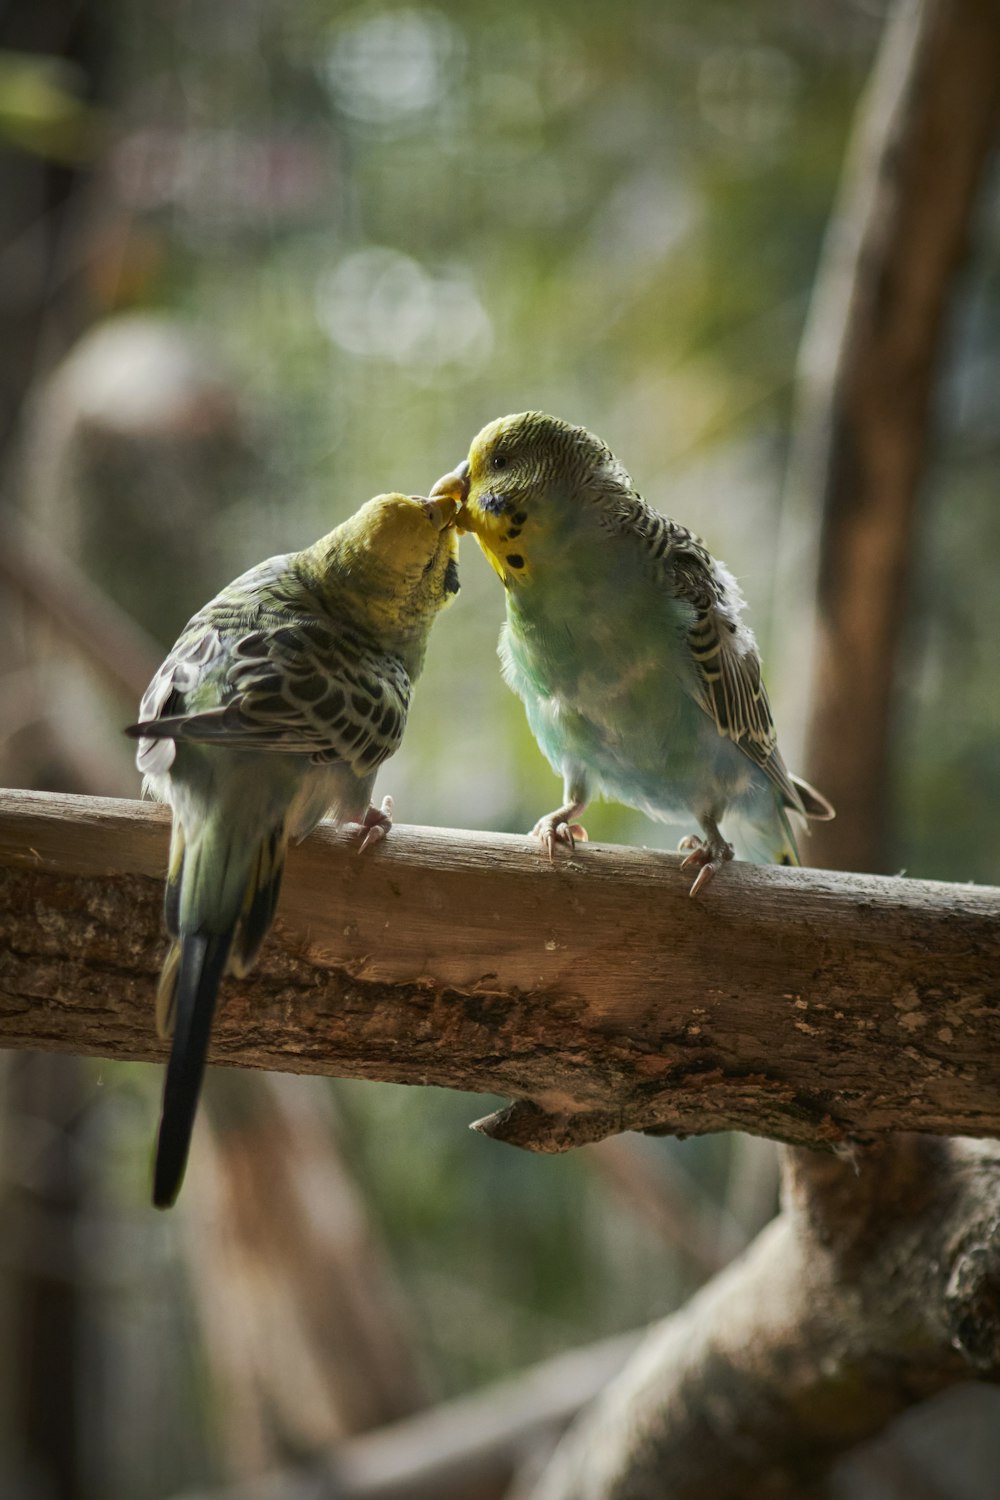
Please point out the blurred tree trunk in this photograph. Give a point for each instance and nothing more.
(851, 1305)
(42, 1189)
(867, 377)
(44, 185)
(305, 1327)
(43, 306)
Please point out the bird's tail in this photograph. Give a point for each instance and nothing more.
(772, 841)
(768, 840)
(205, 883)
(196, 964)
(814, 804)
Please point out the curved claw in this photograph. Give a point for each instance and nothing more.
(703, 876)
(553, 829)
(707, 856)
(375, 825)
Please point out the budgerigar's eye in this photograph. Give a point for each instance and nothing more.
(499, 461)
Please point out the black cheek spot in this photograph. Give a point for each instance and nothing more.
(513, 534)
(515, 560)
(494, 504)
(785, 859)
(451, 584)
(519, 517)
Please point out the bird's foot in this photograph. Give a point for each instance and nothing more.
(555, 828)
(707, 856)
(375, 825)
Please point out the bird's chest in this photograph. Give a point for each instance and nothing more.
(604, 681)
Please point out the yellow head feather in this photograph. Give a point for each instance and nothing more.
(398, 556)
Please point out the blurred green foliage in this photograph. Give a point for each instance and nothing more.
(41, 111)
(391, 223)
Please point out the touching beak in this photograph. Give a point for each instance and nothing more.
(440, 508)
(453, 486)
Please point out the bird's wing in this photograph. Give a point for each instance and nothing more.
(195, 656)
(308, 686)
(727, 676)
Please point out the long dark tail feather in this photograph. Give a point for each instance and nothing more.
(202, 963)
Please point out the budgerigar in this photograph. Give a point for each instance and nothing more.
(275, 708)
(625, 640)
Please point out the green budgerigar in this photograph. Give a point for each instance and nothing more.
(625, 640)
(275, 708)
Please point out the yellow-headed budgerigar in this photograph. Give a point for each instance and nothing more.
(625, 640)
(275, 708)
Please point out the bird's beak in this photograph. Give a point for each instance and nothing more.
(440, 508)
(454, 485)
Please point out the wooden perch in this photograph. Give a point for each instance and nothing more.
(814, 1008)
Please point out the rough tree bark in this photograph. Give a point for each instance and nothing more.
(870, 1291)
(42, 305)
(810, 1008)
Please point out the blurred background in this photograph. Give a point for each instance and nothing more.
(258, 262)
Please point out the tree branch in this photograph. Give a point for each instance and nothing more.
(809, 1007)
(872, 1290)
